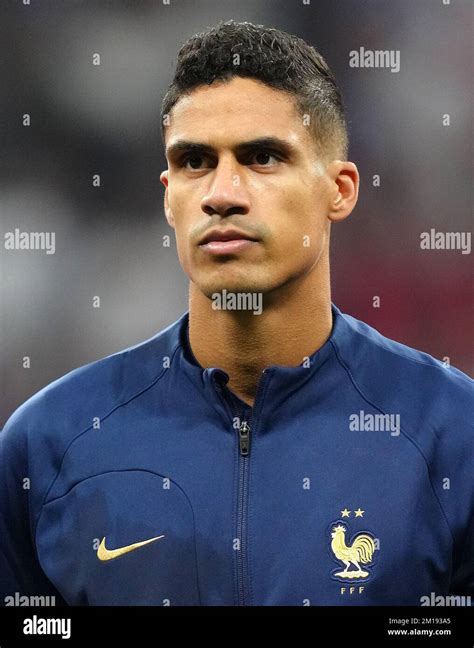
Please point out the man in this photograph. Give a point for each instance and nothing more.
(265, 449)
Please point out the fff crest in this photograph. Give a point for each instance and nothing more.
(354, 554)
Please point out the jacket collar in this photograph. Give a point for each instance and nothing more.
(282, 380)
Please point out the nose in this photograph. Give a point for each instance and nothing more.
(226, 194)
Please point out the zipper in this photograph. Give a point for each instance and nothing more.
(242, 511)
(244, 439)
(244, 445)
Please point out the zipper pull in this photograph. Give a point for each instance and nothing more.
(244, 438)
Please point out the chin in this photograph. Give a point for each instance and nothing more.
(247, 278)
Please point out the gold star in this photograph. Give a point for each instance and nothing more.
(359, 513)
(345, 513)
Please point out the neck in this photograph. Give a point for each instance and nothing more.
(296, 321)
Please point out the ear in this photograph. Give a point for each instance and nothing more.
(345, 189)
(168, 213)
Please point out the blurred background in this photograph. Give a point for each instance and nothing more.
(87, 120)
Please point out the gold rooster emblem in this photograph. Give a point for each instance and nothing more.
(361, 551)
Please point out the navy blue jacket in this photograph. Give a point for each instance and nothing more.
(141, 479)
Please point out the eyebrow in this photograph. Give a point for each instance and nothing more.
(273, 143)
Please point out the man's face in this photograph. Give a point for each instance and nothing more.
(277, 192)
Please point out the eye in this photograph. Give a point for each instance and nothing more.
(194, 162)
(264, 158)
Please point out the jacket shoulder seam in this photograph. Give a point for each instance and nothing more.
(409, 438)
(462, 376)
(102, 418)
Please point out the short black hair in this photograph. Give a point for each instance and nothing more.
(278, 59)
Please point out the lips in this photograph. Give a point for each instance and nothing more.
(224, 242)
(226, 235)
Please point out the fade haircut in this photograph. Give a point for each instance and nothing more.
(278, 59)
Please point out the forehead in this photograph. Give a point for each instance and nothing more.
(237, 109)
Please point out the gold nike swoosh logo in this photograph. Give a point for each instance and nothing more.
(109, 554)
